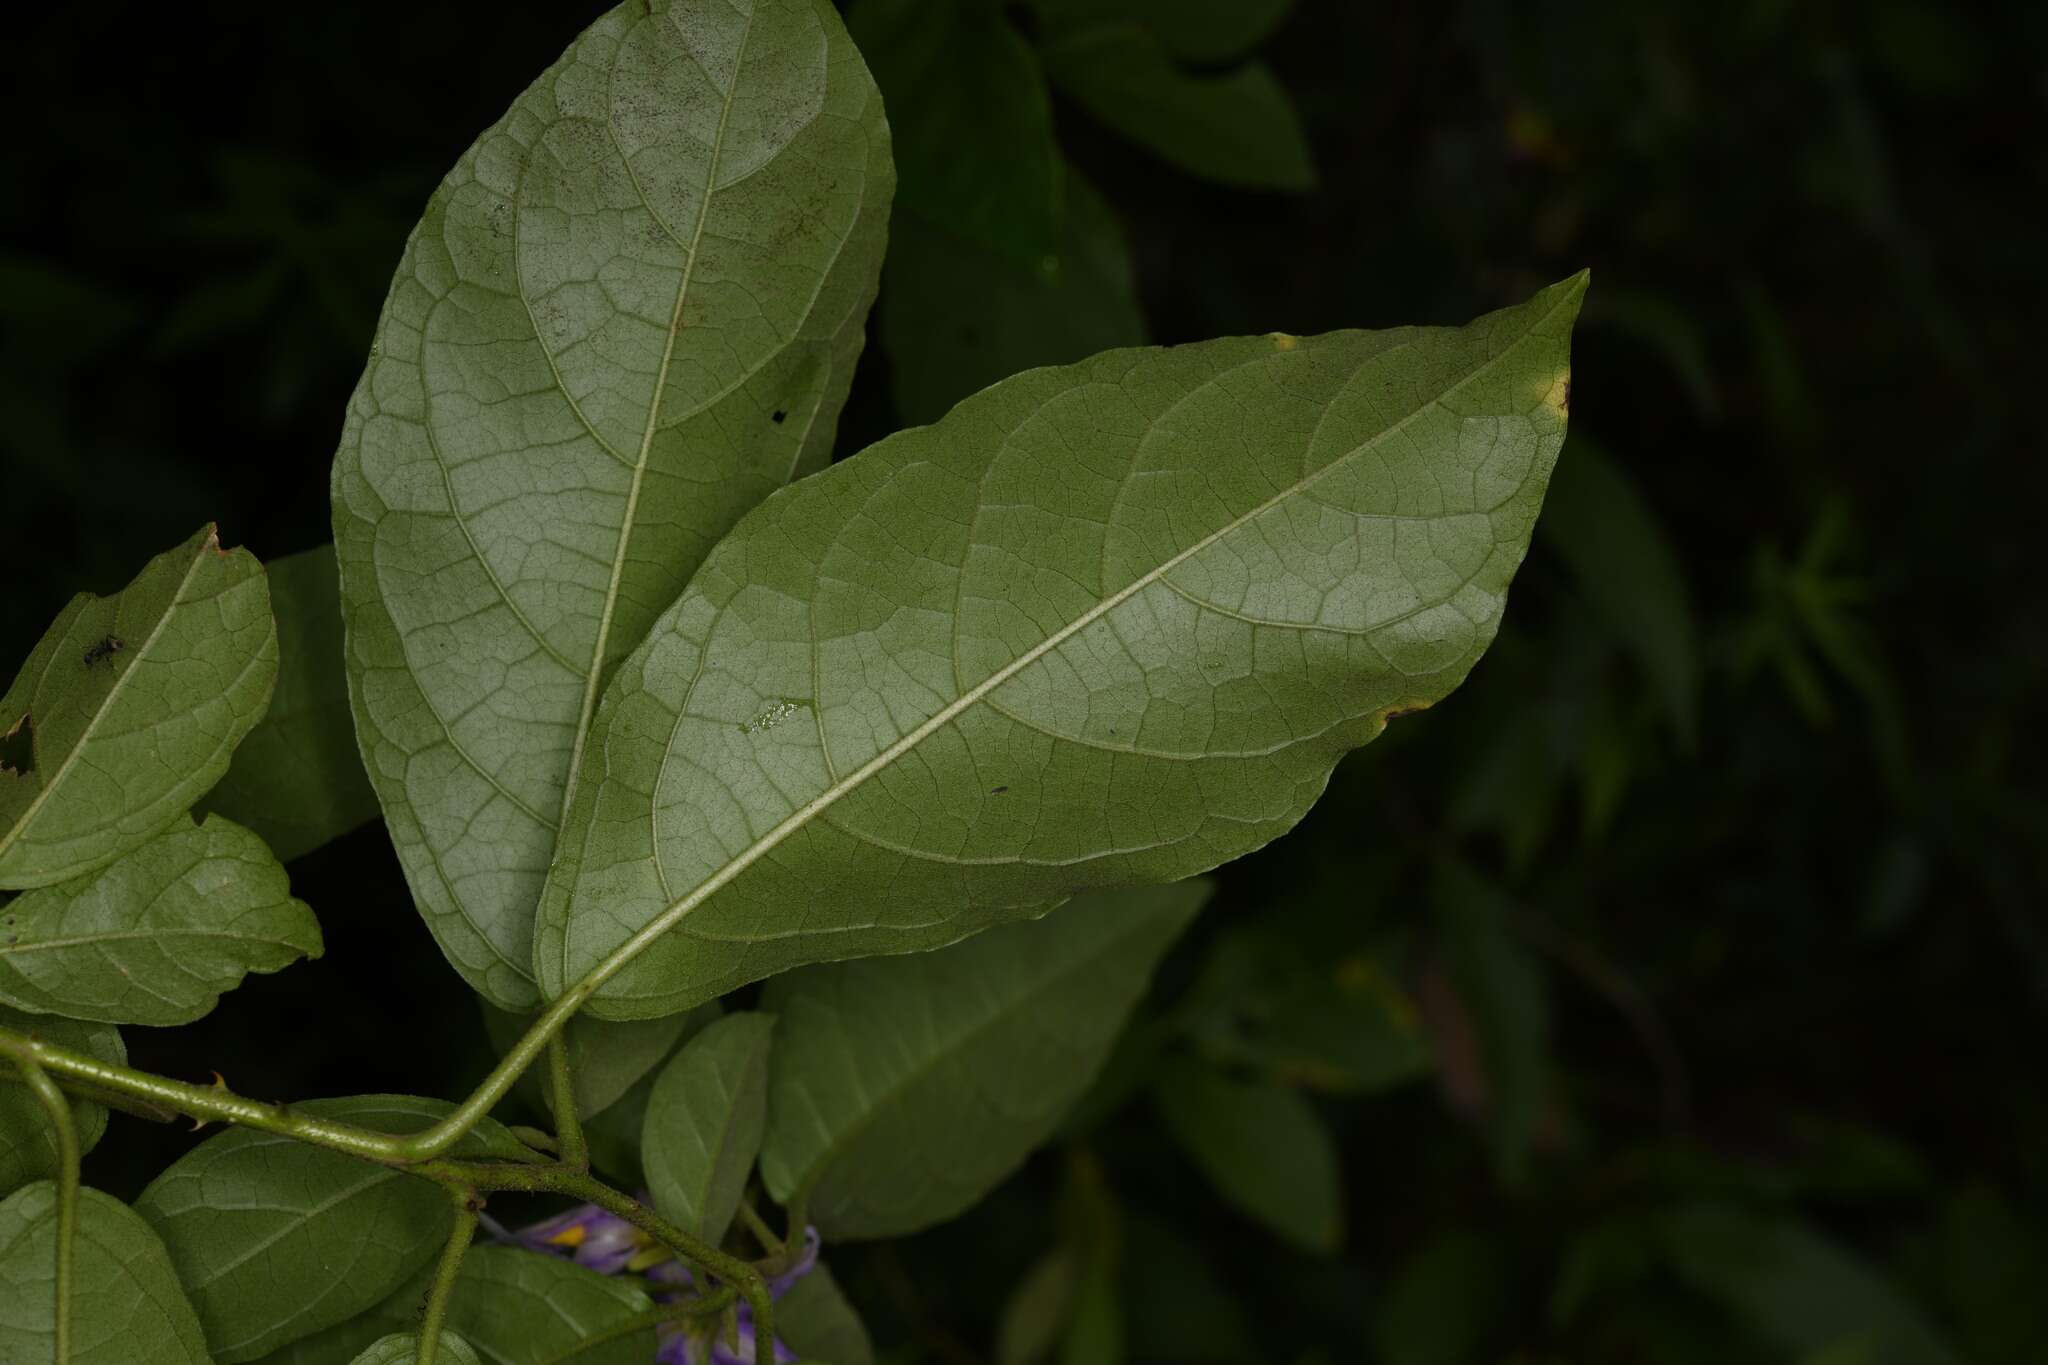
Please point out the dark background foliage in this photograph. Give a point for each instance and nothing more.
(1712, 902)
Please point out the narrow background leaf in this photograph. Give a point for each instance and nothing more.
(1263, 1147)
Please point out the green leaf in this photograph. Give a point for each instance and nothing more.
(606, 1058)
(524, 1308)
(1105, 624)
(1203, 32)
(130, 706)
(27, 1149)
(126, 1306)
(275, 1239)
(511, 1307)
(1504, 992)
(970, 119)
(901, 1090)
(297, 779)
(704, 1123)
(403, 1348)
(1237, 128)
(1797, 1291)
(1263, 1147)
(956, 317)
(159, 935)
(1445, 1302)
(1036, 1314)
(631, 311)
(1620, 556)
(815, 1320)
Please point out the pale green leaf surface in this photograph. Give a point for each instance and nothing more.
(970, 119)
(815, 1320)
(126, 1306)
(275, 1239)
(297, 779)
(956, 317)
(1237, 128)
(1262, 1146)
(27, 1150)
(630, 311)
(903, 1089)
(1103, 624)
(403, 1348)
(156, 937)
(607, 1058)
(122, 742)
(704, 1123)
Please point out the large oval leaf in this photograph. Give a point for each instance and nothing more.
(125, 1302)
(631, 310)
(297, 778)
(901, 1090)
(129, 707)
(276, 1240)
(156, 937)
(27, 1149)
(1103, 624)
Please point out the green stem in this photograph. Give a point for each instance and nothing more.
(58, 1108)
(575, 1151)
(743, 1276)
(466, 1206)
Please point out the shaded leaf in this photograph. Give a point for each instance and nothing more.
(156, 937)
(903, 1089)
(1105, 624)
(297, 778)
(276, 1240)
(704, 1123)
(524, 1308)
(1799, 1291)
(815, 1320)
(630, 311)
(1036, 1314)
(1445, 1302)
(956, 317)
(131, 705)
(1619, 554)
(27, 1149)
(1263, 1148)
(1203, 32)
(1504, 992)
(402, 1348)
(606, 1058)
(1237, 128)
(970, 120)
(125, 1302)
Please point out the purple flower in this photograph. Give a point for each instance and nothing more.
(608, 1244)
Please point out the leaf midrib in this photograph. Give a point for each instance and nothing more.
(594, 677)
(28, 814)
(802, 816)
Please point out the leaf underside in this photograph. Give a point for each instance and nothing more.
(1103, 624)
(131, 705)
(630, 311)
(156, 937)
(125, 1302)
(28, 1150)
